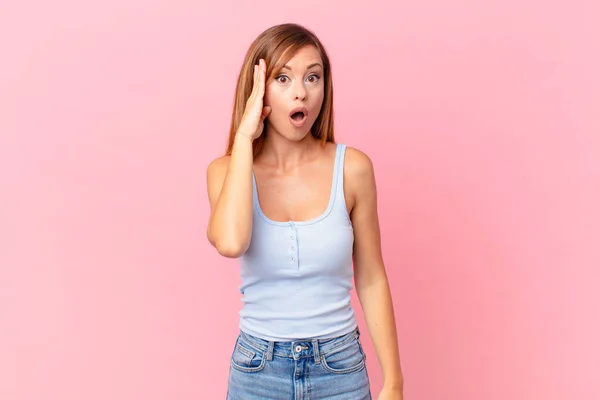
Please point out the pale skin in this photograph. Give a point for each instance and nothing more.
(292, 186)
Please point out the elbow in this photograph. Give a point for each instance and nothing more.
(230, 249)
(227, 246)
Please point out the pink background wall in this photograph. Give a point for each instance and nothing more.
(482, 119)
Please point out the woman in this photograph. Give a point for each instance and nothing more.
(299, 211)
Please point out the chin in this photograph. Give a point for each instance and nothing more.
(298, 136)
(292, 133)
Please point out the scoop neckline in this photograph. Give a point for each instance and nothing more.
(332, 193)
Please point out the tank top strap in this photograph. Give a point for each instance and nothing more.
(338, 178)
(255, 202)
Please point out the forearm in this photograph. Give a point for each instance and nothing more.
(378, 309)
(230, 226)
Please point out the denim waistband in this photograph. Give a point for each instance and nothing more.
(301, 348)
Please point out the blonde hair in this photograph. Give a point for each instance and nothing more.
(277, 45)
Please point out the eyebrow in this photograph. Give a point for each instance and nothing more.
(309, 67)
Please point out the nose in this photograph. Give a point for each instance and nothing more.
(299, 91)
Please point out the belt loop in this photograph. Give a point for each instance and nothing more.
(315, 344)
(270, 350)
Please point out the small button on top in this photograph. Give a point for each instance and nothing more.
(298, 349)
(293, 248)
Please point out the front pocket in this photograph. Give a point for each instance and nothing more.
(349, 359)
(246, 360)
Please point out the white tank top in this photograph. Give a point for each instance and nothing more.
(297, 275)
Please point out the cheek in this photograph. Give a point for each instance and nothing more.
(317, 101)
(279, 107)
(272, 97)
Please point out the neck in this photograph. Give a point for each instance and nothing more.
(287, 155)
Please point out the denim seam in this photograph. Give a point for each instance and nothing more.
(262, 366)
(254, 344)
(355, 368)
(339, 345)
(248, 353)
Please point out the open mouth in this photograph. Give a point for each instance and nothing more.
(298, 116)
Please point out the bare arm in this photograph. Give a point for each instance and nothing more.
(372, 285)
(229, 186)
(229, 179)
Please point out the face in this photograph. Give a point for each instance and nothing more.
(296, 94)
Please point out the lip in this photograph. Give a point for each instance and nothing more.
(301, 122)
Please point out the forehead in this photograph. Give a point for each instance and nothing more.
(304, 57)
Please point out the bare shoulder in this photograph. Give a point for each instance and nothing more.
(218, 165)
(358, 166)
(216, 170)
(359, 178)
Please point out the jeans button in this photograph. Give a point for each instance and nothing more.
(298, 349)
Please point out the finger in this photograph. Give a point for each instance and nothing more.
(262, 78)
(254, 88)
(255, 78)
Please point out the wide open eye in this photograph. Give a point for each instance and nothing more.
(313, 78)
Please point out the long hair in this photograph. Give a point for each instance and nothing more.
(277, 45)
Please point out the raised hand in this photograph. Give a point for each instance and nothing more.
(252, 122)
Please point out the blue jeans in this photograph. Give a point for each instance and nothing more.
(297, 370)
